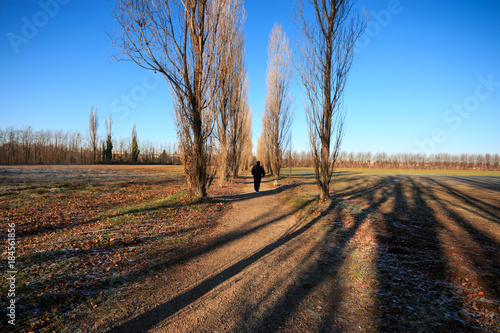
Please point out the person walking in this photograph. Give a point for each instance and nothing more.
(257, 172)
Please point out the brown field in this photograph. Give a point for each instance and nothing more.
(397, 252)
(87, 235)
(406, 252)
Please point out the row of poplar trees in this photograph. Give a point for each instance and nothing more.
(198, 46)
(324, 54)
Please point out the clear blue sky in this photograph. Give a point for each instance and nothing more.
(426, 76)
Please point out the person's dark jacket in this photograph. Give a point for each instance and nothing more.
(258, 171)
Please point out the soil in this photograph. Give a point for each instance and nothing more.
(386, 254)
(242, 283)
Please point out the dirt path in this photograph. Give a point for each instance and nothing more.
(243, 284)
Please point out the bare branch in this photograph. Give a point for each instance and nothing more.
(277, 117)
(179, 39)
(326, 53)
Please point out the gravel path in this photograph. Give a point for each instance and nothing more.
(243, 283)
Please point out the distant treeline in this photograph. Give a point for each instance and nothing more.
(28, 146)
(381, 160)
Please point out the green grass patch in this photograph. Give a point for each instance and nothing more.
(151, 205)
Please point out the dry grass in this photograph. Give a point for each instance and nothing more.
(392, 252)
(414, 253)
(89, 235)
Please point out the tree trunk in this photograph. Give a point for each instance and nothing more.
(224, 161)
(324, 185)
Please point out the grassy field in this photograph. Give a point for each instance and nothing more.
(421, 172)
(300, 172)
(86, 236)
(406, 251)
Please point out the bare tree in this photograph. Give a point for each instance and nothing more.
(93, 126)
(64, 147)
(240, 129)
(230, 98)
(326, 51)
(27, 143)
(178, 39)
(12, 144)
(277, 117)
(247, 153)
(262, 152)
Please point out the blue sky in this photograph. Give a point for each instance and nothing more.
(426, 76)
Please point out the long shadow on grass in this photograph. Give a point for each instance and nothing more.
(484, 207)
(86, 287)
(153, 317)
(481, 182)
(486, 262)
(303, 178)
(414, 292)
(93, 286)
(325, 268)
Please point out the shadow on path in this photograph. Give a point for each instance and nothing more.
(151, 318)
(316, 273)
(414, 293)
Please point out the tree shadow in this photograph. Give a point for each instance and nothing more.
(414, 291)
(486, 262)
(326, 267)
(468, 200)
(149, 319)
(250, 195)
(481, 182)
(88, 287)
